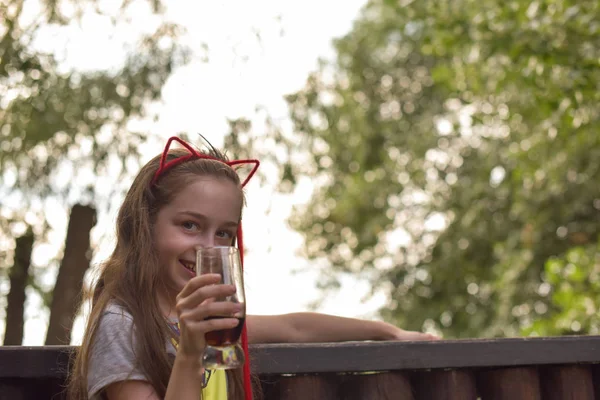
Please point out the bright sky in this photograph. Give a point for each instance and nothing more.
(242, 73)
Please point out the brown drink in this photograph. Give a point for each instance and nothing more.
(225, 337)
(223, 349)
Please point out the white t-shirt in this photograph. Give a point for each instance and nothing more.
(113, 352)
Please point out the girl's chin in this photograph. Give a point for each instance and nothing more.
(188, 275)
(184, 280)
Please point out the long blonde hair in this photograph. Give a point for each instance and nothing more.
(132, 276)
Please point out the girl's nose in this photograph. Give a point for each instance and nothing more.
(207, 240)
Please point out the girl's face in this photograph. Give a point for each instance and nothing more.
(205, 213)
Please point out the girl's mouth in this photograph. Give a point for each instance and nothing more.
(189, 266)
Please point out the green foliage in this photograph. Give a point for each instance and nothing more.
(454, 150)
(49, 116)
(574, 279)
(56, 122)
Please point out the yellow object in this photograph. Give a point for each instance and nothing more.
(217, 386)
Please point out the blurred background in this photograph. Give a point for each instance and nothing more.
(430, 163)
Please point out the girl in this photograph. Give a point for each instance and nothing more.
(145, 334)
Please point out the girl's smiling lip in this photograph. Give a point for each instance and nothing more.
(189, 265)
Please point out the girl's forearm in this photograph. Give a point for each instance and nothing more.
(314, 327)
(186, 378)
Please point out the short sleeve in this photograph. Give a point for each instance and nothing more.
(112, 357)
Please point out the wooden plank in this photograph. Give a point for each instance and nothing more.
(12, 390)
(509, 384)
(29, 389)
(567, 382)
(38, 362)
(445, 385)
(47, 361)
(454, 354)
(301, 387)
(381, 386)
(596, 380)
(268, 387)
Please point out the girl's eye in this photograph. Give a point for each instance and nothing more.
(224, 234)
(190, 226)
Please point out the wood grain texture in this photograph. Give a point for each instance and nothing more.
(572, 382)
(512, 369)
(44, 361)
(445, 385)
(509, 384)
(386, 356)
(302, 387)
(382, 386)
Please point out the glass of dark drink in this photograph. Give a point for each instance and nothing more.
(223, 350)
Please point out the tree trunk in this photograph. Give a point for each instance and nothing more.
(15, 301)
(69, 282)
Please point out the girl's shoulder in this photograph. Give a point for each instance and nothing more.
(115, 309)
(113, 356)
(115, 319)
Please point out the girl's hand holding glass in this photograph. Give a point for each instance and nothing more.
(196, 310)
(224, 350)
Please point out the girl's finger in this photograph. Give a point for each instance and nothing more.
(212, 309)
(203, 293)
(197, 282)
(217, 324)
(193, 338)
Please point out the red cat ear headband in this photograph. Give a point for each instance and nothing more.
(194, 155)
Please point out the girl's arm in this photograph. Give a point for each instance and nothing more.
(314, 327)
(185, 383)
(130, 390)
(193, 307)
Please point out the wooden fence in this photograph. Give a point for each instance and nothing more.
(500, 369)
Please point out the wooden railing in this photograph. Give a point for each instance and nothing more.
(503, 369)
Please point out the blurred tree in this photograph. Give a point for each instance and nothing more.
(49, 115)
(60, 127)
(453, 147)
(15, 300)
(69, 282)
(574, 281)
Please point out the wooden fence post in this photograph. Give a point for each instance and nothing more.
(567, 382)
(509, 384)
(445, 385)
(300, 387)
(381, 386)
